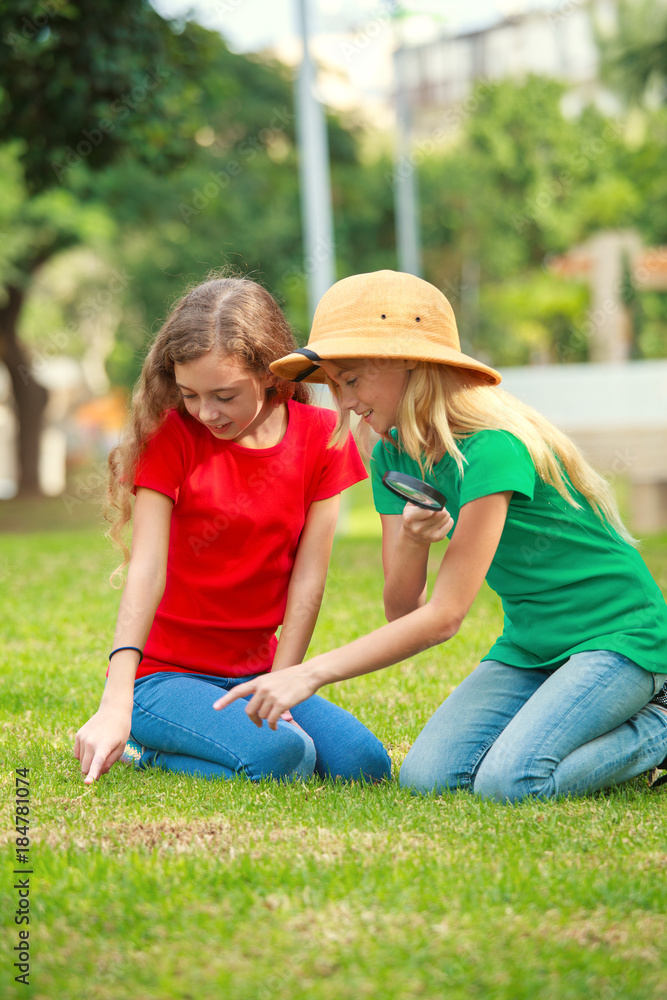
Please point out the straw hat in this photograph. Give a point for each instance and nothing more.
(383, 314)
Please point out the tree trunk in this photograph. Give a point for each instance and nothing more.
(30, 399)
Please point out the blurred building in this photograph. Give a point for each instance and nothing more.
(617, 414)
(606, 260)
(558, 42)
(442, 64)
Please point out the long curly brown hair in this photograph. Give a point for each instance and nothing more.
(233, 315)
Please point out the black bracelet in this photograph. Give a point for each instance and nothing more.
(135, 648)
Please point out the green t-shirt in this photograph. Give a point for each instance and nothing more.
(567, 581)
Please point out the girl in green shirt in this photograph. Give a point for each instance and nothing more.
(568, 699)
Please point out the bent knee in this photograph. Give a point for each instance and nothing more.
(414, 779)
(508, 782)
(424, 774)
(371, 763)
(497, 788)
(291, 754)
(376, 765)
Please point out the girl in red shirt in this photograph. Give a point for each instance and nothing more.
(236, 498)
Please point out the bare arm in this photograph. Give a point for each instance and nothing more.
(100, 742)
(406, 541)
(306, 586)
(461, 574)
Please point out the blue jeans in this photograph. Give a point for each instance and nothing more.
(506, 733)
(174, 720)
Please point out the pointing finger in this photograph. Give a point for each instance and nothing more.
(240, 691)
(95, 768)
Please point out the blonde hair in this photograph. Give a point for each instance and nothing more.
(232, 315)
(442, 404)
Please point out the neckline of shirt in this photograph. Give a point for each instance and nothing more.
(261, 452)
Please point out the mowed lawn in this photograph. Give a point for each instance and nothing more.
(150, 886)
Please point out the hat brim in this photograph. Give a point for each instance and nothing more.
(297, 367)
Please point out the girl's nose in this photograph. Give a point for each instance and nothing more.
(348, 399)
(208, 411)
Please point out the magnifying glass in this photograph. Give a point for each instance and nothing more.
(414, 490)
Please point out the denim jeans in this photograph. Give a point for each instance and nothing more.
(174, 720)
(509, 732)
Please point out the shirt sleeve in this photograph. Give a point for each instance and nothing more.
(496, 461)
(385, 457)
(161, 465)
(342, 466)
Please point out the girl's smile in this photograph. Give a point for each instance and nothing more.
(230, 401)
(370, 389)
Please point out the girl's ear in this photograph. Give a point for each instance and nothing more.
(410, 365)
(269, 381)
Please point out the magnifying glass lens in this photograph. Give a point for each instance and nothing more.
(414, 490)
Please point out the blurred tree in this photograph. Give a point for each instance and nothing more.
(634, 65)
(70, 73)
(519, 182)
(634, 53)
(80, 80)
(95, 95)
(234, 205)
(34, 230)
(202, 173)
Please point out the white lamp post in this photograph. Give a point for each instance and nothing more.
(315, 183)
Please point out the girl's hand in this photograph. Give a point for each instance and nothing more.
(272, 695)
(100, 742)
(426, 526)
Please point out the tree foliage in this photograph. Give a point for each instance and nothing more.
(163, 177)
(118, 131)
(634, 53)
(520, 183)
(83, 80)
(159, 179)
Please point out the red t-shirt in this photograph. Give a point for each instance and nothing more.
(235, 527)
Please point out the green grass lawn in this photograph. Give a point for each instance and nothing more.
(151, 886)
